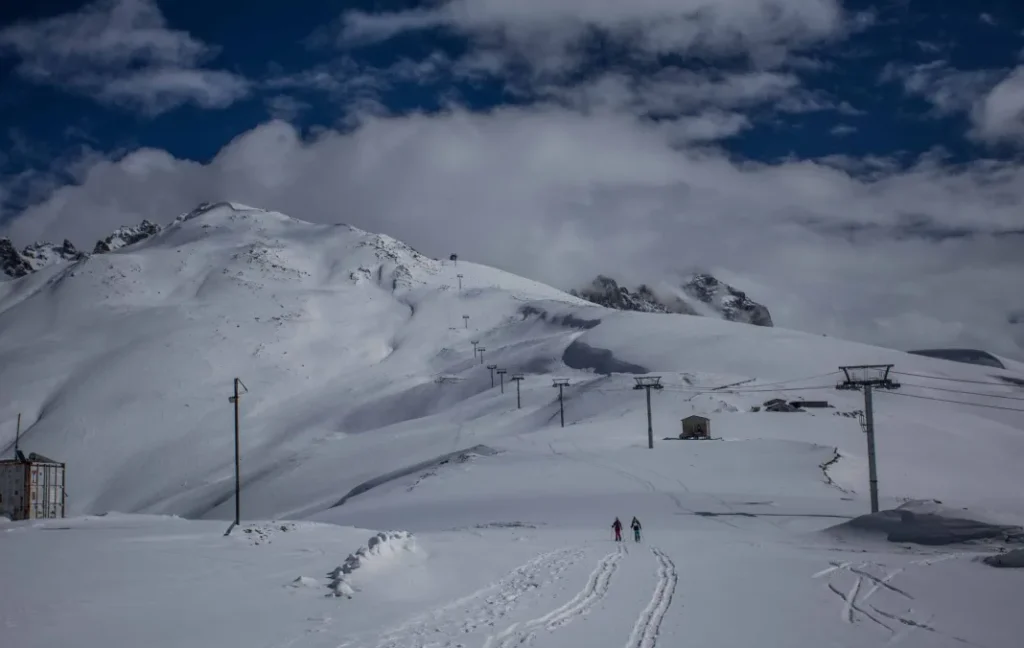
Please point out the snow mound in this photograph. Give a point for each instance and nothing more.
(382, 549)
(927, 523)
(1012, 559)
(259, 534)
(304, 581)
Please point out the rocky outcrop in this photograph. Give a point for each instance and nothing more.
(733, 304)
(126, 235)
(605, 291)
(702, 289)
(34, 257)
(15, 264)
(12, 264)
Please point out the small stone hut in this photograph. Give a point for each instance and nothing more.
(696, 427)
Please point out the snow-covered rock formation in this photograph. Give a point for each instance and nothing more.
(15, 263)
(126, 235)
(702, 294)
(35, 257)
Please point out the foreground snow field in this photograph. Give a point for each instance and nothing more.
(167, 582)
(368, 410)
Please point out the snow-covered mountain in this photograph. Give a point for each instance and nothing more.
(368, 406)
(701, 294)
(340, 332)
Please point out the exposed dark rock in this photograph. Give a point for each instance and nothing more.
(731, 304)
(605, 291)
(126, 235)
(12, 263)
(35, 257)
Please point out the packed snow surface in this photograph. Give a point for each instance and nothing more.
(417, 505)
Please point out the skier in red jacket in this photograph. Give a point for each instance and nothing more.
(618, 530)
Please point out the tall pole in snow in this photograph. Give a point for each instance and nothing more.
(492, 368)
(869, 376)
(501, 373)
(561, 383)
(481, 350)
(518, 378)
(648, 383)
(474, 343)
(234, 399)
(460, 281)
(17, 436)
(869, 420)
(465, 318)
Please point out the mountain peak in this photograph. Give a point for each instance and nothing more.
(606, 291)
(702, 294)
(35, 257)
(126, 235)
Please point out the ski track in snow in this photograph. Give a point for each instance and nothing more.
(484, 608)
(645, 631)
(855, 603)
(596, 588)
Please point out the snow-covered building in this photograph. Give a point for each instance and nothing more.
(31, 488)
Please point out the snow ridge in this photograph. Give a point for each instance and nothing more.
(381, 547)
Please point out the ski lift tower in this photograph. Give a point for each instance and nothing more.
(868, 377)
(648, 383)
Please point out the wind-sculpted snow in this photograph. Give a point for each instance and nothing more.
(580, 355)
(920, 524)
(383, 547)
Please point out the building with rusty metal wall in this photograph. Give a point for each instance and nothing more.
(32, 488)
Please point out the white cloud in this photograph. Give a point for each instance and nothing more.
(987, 19)
(121, 52)
(547, 34)
(841, 130)
(948, 90)
(869, 253)
(999, 115)
(285, 107)
(672, 91)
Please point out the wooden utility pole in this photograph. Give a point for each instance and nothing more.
(518, 378)
(492, 368)
(234, 399)
(648, 383)
(561, 383)
(501, 373)
(867, 377)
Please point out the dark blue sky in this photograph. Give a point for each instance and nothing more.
(258, 41)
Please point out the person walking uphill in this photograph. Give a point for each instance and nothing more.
(635, 525)
(617, 526)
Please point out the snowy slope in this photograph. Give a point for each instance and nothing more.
(368, 409)
(121, 365)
